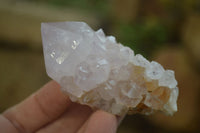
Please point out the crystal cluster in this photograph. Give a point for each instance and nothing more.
(95, 70)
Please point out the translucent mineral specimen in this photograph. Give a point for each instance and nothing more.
(95, 70)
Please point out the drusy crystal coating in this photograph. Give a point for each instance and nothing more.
(95, 70)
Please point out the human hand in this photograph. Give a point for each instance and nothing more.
(49, 111)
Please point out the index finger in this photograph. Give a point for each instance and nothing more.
(100, 122)
(39, 109)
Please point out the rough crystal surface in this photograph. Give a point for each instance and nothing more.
(95, 70)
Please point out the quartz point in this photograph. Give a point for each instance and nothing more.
(95, 70)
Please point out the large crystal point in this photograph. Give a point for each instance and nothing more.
(95, 70)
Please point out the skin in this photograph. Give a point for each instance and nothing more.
(50, 111)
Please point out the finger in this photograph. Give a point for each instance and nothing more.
(70, 121)
(100, 122)
(39, 109)
(6, 126)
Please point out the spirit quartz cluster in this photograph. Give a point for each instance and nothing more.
(95, 70)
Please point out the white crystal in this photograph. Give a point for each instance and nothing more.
(139, 60)
(154, 70)
(168, 79)
(95, 70)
